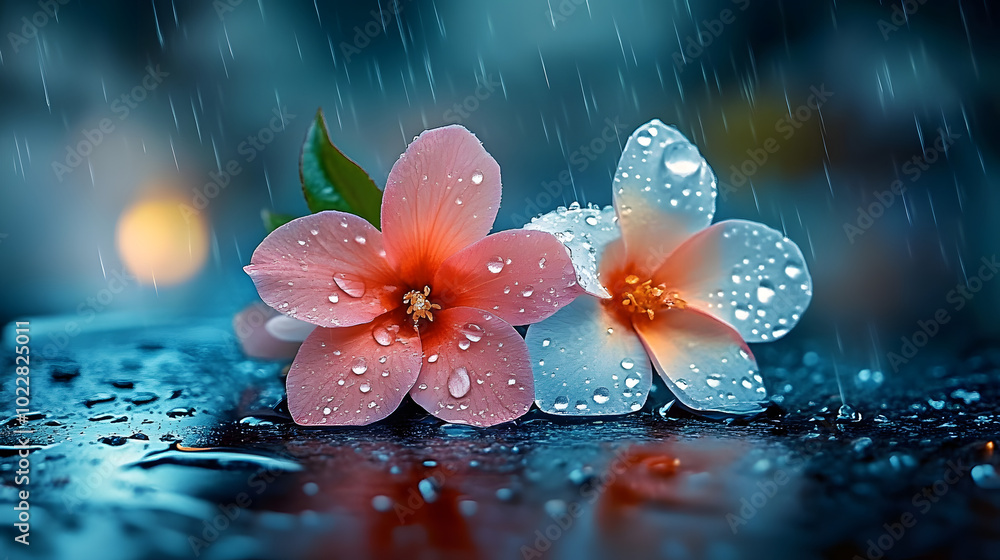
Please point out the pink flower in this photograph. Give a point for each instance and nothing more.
(426, 305)
(665, 286)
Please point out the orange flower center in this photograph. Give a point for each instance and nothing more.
(420, 307)
(647, 299)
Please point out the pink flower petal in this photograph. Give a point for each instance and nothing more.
(664, 192)
(328, 269)
(744, 273)
(250, 326)
(703, 361)
(476, 369)
(441, 195)
(354, 375)
(521, 276)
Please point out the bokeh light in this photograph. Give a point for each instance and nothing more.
(161, 240)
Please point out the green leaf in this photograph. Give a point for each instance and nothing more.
(331, 181)
(274, 221)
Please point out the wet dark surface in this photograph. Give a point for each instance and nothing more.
(163, 441)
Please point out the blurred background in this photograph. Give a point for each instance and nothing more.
(864, 130)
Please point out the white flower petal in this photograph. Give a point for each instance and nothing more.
(664, 191)
(703, 361)
(586, 362)
(744, 273)
(585, 232)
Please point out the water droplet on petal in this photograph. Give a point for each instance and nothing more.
(382, 336)
(351, 286)
(458, 382)
(432, 358)
(546, 342)
(601, 395)
(365, 387)
(765, 293)
(464, 344)
(541, 262)
(561, 403)
(793, 270)
(527, 291)
(495, 265)
(360, 366)
(627, 363)
(360, 240)
(473, 332)
(334, 298)
(477, 177)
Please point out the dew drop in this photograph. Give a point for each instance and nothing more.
(432, 358)
(765, 293)
(541, 262)
(591, 220)
(382, 336)
(742, 314)
(473, 332)
(495, 265)
(793, 270)
(360, 366)
(464, 344)
(627, 363)
(527, 291)
(631, 382)
(334, 298)
(477, 177)
(458, 383)
(546, 343)
(326, 410)
(360, 240)
(561, 403)
(602, 395)
(365, 387)
(351, 286)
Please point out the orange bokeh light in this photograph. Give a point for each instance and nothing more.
(162, 241)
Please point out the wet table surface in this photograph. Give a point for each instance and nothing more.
(161, 440)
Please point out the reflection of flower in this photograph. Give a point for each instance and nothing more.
(426, 305)
(666, 285)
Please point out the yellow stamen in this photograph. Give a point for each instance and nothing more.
(420, 307)
(648, 299)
